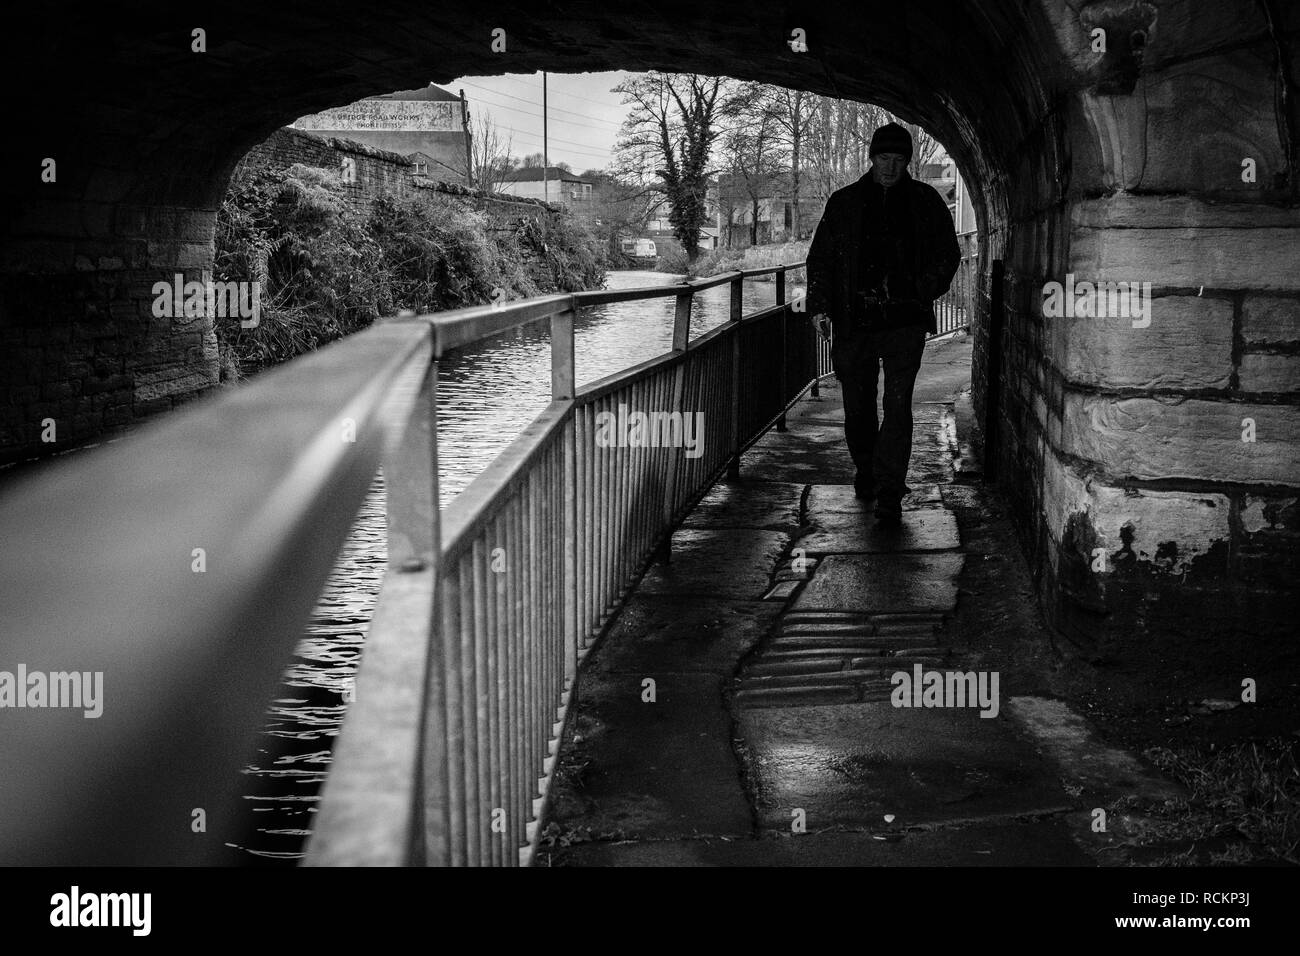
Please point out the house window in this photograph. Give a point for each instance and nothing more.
(421, 169)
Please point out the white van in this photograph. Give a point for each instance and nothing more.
(640, 248)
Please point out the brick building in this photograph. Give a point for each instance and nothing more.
(559, 187)
(430, 125)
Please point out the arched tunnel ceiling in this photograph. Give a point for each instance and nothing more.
(174, 121)
(134, 116)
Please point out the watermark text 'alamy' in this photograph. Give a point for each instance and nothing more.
(1098, 300)
(192, 300)
(626, 429)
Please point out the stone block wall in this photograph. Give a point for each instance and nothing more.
(79, 344)
(81, 353)
(1155, 469)
(373, 172)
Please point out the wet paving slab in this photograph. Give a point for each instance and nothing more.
(731, 562)
(774, 641)
(923, 529)
(851, 766)
(842, 499)
(879, 583)
(650, 761)
(655, 633)
(761, 505)
(1029, 843)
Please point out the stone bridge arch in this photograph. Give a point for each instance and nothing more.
(1168, 158)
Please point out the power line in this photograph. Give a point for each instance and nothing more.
(515, 109)
(577, 147)
(585, 99)
(537, 143)
(526, 113)
(550, 109)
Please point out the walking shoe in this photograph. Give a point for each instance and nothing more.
(864, 487)
(889, 511)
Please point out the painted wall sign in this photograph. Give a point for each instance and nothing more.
(387, 116)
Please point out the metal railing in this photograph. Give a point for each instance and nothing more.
(180, 564)
(955, 308)
(537, 553)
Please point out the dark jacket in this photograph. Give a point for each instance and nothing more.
(836, 257)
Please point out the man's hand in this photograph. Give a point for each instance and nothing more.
(823, 324)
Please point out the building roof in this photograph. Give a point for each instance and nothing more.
(935, 170)
(531, 174)
(430, 92)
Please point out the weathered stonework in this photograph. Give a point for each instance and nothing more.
(1169, 159)
(1270, 320)
(1188, 345)
(1259, 372)
(1170, 530)
(1162, 438)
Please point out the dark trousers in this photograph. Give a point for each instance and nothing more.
(881, 449)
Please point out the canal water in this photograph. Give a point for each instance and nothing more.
(487, 393)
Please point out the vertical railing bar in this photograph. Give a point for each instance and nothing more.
(681, 339)
(571, 531)
(616, 551)
(553, 658)
(516, 590)
(635, 470)
(607, 521)
(737, 292)
(500, 642)
(530, 647)
(482, 701)
(785, 361)
(499, 709)
(526, 611)
(413, 526)
(450, 601)
(469, 709)
(545, 629)
(591, 520)
(589, 454)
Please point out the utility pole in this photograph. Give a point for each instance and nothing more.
(546, 184)
(469, 146)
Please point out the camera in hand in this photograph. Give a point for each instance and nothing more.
(874, 307)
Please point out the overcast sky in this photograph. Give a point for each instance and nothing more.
(584, 116)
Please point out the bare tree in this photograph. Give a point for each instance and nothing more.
(924, 147)
(794, 113)
(672, 124)
(838, 136)
(489, 155)
(622, 209)
(751, 151)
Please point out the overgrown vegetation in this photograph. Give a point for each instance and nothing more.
(1245, 790)
(327, 270)
(728, 260)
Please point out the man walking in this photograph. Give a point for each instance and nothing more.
(884, 250)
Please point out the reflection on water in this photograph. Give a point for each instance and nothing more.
(487, 393)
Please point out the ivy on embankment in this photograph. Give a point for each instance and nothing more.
(326, 269)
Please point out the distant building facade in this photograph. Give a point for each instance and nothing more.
(730, 200)
(556, 185)
(429, 126)
(944, 177)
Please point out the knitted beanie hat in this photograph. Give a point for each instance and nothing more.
(892, 138)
